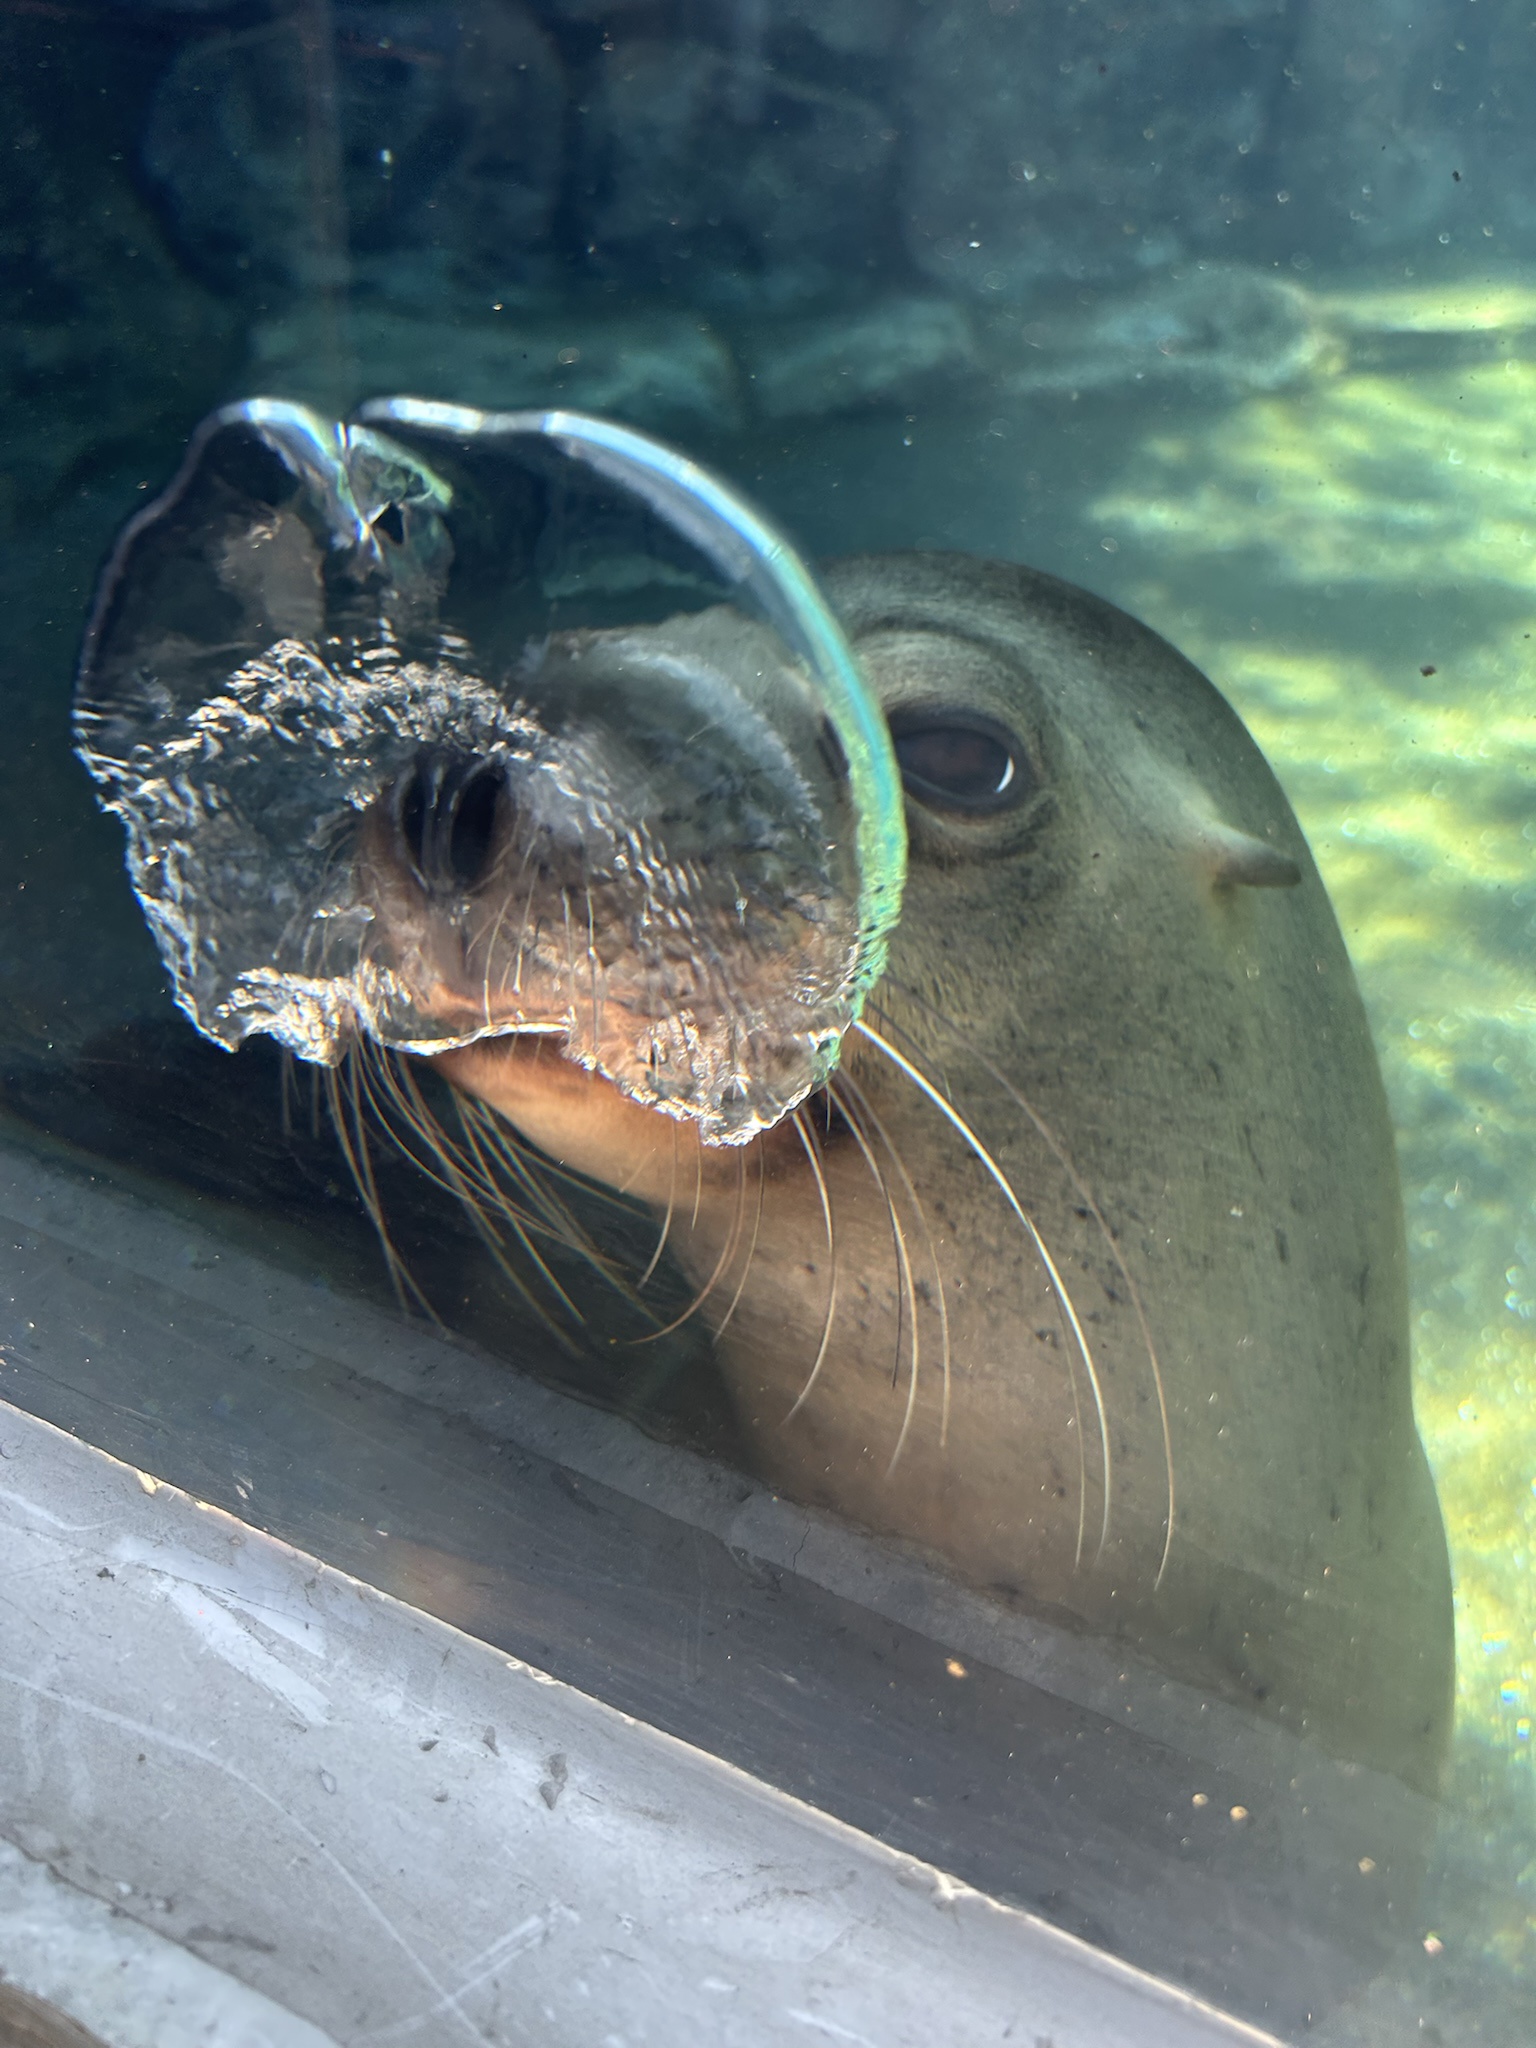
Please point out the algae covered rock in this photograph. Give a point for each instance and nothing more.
(1216, 328)
(654, 368)
(709, 172)
(1083, 143)
(892, 352)
(416, 149)
(106, 346)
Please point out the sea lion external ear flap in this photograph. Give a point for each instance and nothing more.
(1238, 860)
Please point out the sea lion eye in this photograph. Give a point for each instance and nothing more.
(960, 761)
(445, 817)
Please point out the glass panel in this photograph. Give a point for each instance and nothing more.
(1040, 1360)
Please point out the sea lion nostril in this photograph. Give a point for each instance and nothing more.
(471, 831)
(445, 817)
(391, 523)
(413, 800)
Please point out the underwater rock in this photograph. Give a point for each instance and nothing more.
(105, 345)
(653, 369)
(863, 28)
(591, 13)
(1216, 328)
(712, 173)
(1083, 144)
(893, 354)
(418, 150)
(1399, 106)
(866, 28)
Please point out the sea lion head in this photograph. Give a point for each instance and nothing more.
(1054, 1231)
(1085, 1272)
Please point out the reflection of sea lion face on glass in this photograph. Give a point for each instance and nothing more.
(1082, 1271)
(317, 625)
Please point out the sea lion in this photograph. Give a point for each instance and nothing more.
(1083, 1270)
(1087, 1272)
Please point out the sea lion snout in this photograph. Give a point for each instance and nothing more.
(652, 862)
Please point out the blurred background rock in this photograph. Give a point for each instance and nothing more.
(695, 213)
(104, 337)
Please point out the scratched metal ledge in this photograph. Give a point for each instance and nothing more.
(125, 1983)
(404, 1835)
(827, 1669)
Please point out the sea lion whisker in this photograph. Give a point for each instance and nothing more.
(509, 1272)
(490, 954)
(906, 1300)
(532, 1168)
(545, 1215)
(378, 1075)
(555, 1219)
(496, 1158)
(856, 1131)
(893, 1028)
(1063, 1159)
(288, 1093)
(474, 1180)
(757, 1224)
(570, 939)
(520, 1230)
(592, 965)
(521, 953)
(493, 1159)
(497, 1150)
(666, 1221)
(805, 1132)
(287, 1088)
(1058, 1285)
(353, 1139)
(475, 1192)
(722, 1264)
(846, 1083)
(478, 1194)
